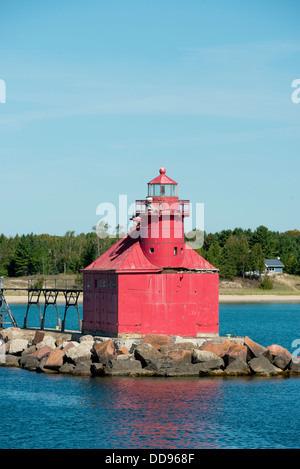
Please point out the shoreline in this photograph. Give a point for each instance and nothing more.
(23, 299)
(230, 298)
(259, 298)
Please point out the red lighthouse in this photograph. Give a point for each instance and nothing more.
(151, 281)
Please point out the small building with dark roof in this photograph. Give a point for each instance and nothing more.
(273, 266)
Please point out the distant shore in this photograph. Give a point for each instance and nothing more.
(232, 298)
(22, 299)
(229, 298)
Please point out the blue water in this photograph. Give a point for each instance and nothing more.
(61, 411)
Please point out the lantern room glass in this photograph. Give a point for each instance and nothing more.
(162, 190)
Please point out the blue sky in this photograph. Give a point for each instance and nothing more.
(101, 94)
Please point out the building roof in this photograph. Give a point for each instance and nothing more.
(162, 178)
(127, 256)
(273, 263)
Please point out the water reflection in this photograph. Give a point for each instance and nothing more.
(162, 413)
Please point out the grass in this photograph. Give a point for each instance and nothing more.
(283, 285)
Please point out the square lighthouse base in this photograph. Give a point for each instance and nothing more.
(182, 304)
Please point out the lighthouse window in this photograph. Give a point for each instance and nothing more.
(155, 190)
(88, 283)
(109, 283)
(104, 283)
(100, 284)
(114, 283)
(175, 251)
(151, 250)
(173, 190)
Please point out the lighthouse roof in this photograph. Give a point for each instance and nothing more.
(162, 178)
(127, 256)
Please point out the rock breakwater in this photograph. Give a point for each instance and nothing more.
(154, 355)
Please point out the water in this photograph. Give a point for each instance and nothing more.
(61, 411)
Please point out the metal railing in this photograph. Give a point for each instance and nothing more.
(180, 207)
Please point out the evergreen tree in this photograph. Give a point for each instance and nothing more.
(256, 259)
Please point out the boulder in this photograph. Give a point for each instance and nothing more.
(156, 340)
(202, 356)
(67, 368)
(17, 346)
(122, 351)
(281, 357)
(67, 345)
(11, 360)
(125, 365)
(83, 368)
(294, 365)
(213, 347)
(227, 344)
(29, 362)
(178, 340)
(237, 367)
(186, 370)
(55, 359)
(2, 352)
(87, 337)
(38, 337)
(10, 333)
(181, 356)
(167, 349)
(261, 366)
(79, 354)
(42, 352)
(237, 350)
(40, 368)
(29, 350)
(97, 369)
(255, 349)
(206, 368)
(147, 355)
(104, 351)
(47, 340)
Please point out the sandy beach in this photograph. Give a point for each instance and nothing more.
(22, 299)
(14, 299)
(259, 298)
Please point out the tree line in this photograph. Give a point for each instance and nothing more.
(239, 252)
(235, 252)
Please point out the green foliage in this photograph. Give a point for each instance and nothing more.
(39, 283)
(266, 283)
(50, 255)
(236, 252)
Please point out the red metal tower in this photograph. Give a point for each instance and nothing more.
(151, 281)
(162, 222)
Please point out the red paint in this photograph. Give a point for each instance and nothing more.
(151, 281)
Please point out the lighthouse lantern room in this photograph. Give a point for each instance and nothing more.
(151, 281)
